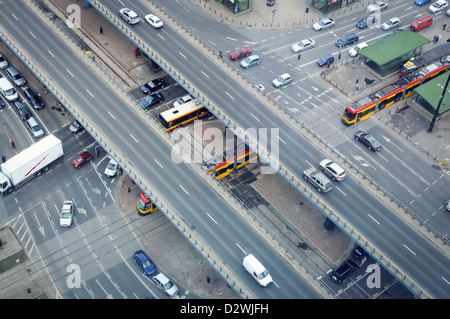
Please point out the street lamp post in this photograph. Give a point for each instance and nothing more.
(439, 105)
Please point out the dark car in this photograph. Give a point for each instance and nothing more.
(366, 22)
(82, 159)
(34, 98)
(240, 53)
(76, 127)
(153, 85)
(151, 100)
(343, 271)
(359, 253)
(2, 103)
(141, 258)
(347, 40)
(368, 140)
(325, 60)
(22, 111)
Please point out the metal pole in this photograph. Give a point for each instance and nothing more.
(439, 105)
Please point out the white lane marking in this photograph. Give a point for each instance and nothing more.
(182, 55)
(134, 138)
(376, 221)
(183, 189)
(158, 163)
(111, 115)
(211, 218)
(229, 95)
(409, 250)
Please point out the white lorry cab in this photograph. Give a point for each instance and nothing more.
(257, 270)
(7, 90)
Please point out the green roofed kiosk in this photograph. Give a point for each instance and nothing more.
(388, 54)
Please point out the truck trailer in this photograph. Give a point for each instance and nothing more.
(29, 163)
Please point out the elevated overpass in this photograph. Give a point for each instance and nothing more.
(109, 145)
(219, 102)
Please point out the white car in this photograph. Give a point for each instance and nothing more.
(66, 216)
(333, 170)
(154, 21)
(303, 45)
(3, 62)
(354, 51)
(112, 169)
(377, 5)
(166, 284)
(184, 99)
(282, 80)
(324, 24)
(448, 12)
(438, 6)
(447, 205)
(391, 24)
(129, 15)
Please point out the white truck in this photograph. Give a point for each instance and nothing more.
(29, 163)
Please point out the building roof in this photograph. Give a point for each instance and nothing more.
(399, 44)
(432, 91)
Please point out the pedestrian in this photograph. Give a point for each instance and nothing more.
(448, 40)
(12, 144)
(299, 56)
(101, 30)
(444, 26)
(220, 54)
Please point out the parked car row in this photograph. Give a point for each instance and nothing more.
(10, 93)
(149, 269)
(356, 260)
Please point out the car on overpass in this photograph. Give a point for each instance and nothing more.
(318, 179)
(129, 15)
(332, 169)
(154, 21)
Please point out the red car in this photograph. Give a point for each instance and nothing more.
(82, 159)
(240, 53)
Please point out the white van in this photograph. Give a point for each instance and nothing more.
(7, 90)
(257, 270)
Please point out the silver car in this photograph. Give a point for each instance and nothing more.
(166, 284)
(318, 179)
(303, 45)
(65, 218)
(112, 169)
(3, 62)
(333, 170)
(324, 24)
(34, 127)
(15, 76)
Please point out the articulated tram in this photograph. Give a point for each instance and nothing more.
(403, 88)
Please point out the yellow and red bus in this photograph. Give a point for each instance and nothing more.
(145, 205)
(225, 168)
(388, 95)
(182, 115)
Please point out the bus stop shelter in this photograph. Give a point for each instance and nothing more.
(428, 95)
(388, 54)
